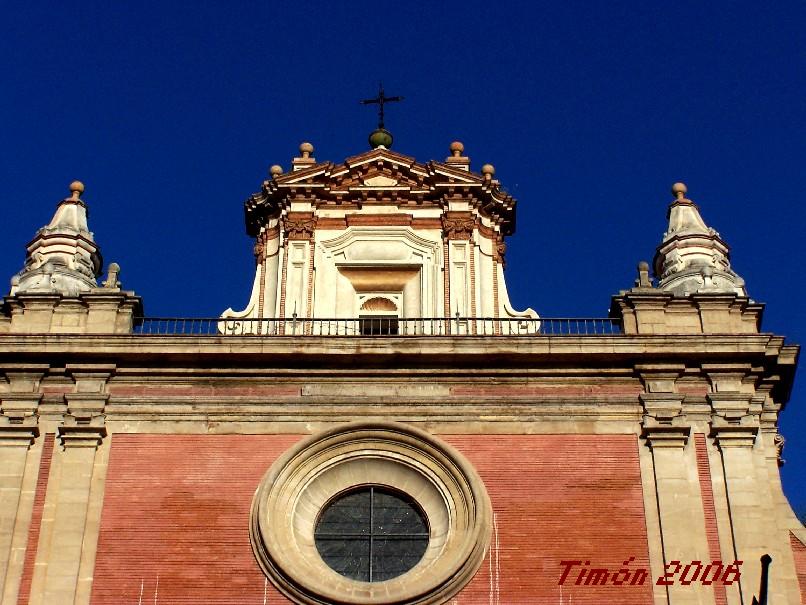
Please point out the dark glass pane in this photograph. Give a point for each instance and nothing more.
(346, 515)
(394, 515)
(347, 556)
(392, 557)
(371, 534)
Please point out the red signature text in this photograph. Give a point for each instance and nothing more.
(581, 573)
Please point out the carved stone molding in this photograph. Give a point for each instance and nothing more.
(18, 435)
(299, 227)
(500, 250)
(664, 424)
(731, 408)
(779, 443)
(84, 420)
(260, 247)
(18, 409)
(734, 435)
(733, 422)
(458, 226)
(666, 436)
(75, 435)
(85, 408)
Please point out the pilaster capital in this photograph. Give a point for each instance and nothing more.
(458, 225)
(84, 420)
(81, 435)
(18, 435)
(299, 225)
(664, 424)
(660, 379)
(734, 421)
(670, 436)
(734, 435)
(85, 408)
(18, 408)
(730, 406)
(662, 406)
(90, 377)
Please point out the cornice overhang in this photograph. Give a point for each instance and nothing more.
(761, 350)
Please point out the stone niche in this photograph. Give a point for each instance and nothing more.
(361, 268)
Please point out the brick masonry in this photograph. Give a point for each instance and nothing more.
(175, 518)
(799, 552)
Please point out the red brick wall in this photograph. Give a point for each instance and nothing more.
(175, 518)
(799, 551)
(555, 498)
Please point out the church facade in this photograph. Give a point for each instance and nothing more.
(378, 424)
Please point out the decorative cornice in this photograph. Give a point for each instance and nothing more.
(368, 178)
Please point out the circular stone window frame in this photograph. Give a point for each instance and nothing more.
(292, 494)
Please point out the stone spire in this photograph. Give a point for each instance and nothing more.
(693, 258)
(62, 257)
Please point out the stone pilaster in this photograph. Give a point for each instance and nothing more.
(666, 431)
(70, 520)
(19, 428)
(735, 427)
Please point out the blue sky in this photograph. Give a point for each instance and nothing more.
(171, 113)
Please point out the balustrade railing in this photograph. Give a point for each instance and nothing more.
(378, 326)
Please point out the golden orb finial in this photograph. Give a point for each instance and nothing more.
(457, 149)
(276, 170)
(76, 188)
(306, 149)
(679, 190)
(488, 170)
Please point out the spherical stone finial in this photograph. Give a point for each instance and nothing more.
(488, 170)
(679, 190)
(457, 149)
(76, 188)
(276, 170)
(380, 138)
(643, 266)
(306, 149)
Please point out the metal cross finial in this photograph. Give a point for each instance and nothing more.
(380, 100)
